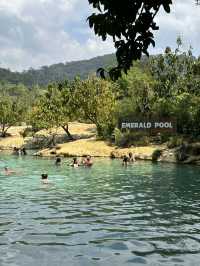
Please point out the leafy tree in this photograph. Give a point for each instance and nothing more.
(164, 107)
(177, 88)
(11, 113)
(20, 92)
(51, 112)
(172, 68)
(97, 103)
(184, 111)
(137, 94)
(130, 24)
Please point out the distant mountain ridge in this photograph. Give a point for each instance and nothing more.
(57, 72)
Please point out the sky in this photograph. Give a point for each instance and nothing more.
(34, 33)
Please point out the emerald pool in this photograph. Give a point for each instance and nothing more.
(145, 214)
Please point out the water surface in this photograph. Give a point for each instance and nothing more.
(146, 214)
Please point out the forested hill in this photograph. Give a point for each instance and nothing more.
(57, 72)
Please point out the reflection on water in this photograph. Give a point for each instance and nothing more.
(108, 215)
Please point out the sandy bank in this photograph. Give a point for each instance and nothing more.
(95, 148)
(14, 140)
(85, 143)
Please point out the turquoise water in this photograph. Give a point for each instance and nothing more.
(146, 214)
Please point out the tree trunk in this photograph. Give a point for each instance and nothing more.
(52, 142)
(3, 131)
(66, 129)
(100, 131)
(3, 134)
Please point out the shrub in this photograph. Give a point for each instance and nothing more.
(27, 132)
(165, 137)
(194, 149)
(127, 139)
(118, 137)
(174, 142)
(182, 153)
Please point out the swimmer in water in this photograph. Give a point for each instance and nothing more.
(58, 161)
(45, 178)
(75, 163)
(131, 157)
(8, 171)
(125, 160)
(88, 162)
(23, 151)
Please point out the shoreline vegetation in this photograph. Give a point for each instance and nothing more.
(86, 143)
(110, 113)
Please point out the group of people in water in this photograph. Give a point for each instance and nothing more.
(18, 151)
(128, 159)
(86, 162)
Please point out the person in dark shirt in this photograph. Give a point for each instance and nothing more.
(75, 163)
(45, 178)
(125, 160)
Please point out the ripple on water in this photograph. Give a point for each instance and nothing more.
(145, 214)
